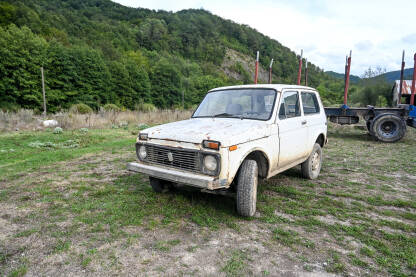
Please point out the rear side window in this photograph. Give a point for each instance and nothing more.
(289, 106)
(310, 103)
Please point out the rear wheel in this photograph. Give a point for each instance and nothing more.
(247, 188)
(368, 124)
(388, 127)
(312, 166)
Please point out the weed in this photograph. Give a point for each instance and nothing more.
(236, 264)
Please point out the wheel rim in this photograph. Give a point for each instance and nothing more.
(316, 161)
(388, 129)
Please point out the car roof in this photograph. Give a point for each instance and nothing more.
(278, 87)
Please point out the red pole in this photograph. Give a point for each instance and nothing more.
(306, 72)
(270, 72)
(256, 73)
(412, 98)
(347, 79)
(300, 67)
(401, 80)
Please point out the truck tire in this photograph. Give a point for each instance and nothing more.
(158, 185)
(368, 124)
(312, 166)
(247, 188)
(388, 127)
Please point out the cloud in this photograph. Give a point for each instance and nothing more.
(364, 45)
(410, 39)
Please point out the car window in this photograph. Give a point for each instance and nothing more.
(289, 106)
(310, 103)
(250, 103)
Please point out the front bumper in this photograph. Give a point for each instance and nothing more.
(177, 176)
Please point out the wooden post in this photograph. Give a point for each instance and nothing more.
(183, 99)
(256, 70)
(43, 92)
(306, 72)
(300, 67)
(401, 80)
(270, 71)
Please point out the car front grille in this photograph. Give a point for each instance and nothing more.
(173, 157)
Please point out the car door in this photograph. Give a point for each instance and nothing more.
(312, 114)
(293, 133)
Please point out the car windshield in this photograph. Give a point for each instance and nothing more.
(239, 103)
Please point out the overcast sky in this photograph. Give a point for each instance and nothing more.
(376, 30)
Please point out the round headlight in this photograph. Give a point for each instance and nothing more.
(210, 163)
(142, 152)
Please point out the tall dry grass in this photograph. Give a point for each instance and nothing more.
(26, 120)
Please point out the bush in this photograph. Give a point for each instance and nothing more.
(146, 107)
(111, 107)
(83, 130)
(80, 108)
(58, 130)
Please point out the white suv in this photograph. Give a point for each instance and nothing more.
(236, 135)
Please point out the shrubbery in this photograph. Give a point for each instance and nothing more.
(146, 107)
(80, 108)
(111, 107)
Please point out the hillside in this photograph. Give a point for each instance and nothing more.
(395, 75)
(353, 78)
(97, 52)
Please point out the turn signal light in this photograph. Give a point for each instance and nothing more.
(232, 148)
(211, 144)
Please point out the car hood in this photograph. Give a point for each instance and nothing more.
(228, 131)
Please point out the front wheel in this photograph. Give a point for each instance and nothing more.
(312, 166)
(158, 185)
(247, 188)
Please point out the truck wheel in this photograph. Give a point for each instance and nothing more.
(388, 127)
(247, 188)
(312, 166)
(368, 123)
(158, 185)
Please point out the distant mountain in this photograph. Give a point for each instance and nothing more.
(389, 77)
(353, 78)
(395, 75)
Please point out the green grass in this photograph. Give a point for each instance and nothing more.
(236, 264)
(77, 204)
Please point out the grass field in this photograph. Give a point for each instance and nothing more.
(69, 207)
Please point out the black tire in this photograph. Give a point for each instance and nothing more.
(388, 127)
(158, 185)
(247, 188)
(312, 166)
(368, 124)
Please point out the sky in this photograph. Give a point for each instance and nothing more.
(377, 31)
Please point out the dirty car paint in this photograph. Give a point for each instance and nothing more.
(228, 131)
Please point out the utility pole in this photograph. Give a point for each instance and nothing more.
(43, 92)
(270, 71)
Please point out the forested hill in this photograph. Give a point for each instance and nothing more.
(97, 52)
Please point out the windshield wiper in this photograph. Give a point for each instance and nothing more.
(223, 115)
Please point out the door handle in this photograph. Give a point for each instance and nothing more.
(304, 122)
